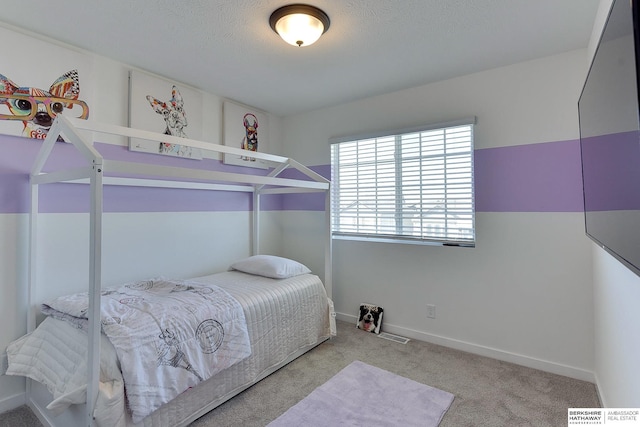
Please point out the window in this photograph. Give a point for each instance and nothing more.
(414, 185)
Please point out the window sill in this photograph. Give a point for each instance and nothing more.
(396, 240)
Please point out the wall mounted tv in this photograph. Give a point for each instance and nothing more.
(609, 137)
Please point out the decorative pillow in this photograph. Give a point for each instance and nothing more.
(270, 266)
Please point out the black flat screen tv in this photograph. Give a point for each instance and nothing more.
(609, 137)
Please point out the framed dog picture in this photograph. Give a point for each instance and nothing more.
(40, 86)
(247, 128)
(370, 318)
(162, 106)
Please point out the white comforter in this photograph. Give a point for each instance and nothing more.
(169, 335)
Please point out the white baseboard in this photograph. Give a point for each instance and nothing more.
(601, 398)
(518, 359)
(12, 402)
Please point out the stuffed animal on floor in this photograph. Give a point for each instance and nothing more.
(370, 318)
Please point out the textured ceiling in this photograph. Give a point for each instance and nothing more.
(226, 47)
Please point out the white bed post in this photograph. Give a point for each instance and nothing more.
(328, 251)
(95, 280)
(255, 226)
(33, 233)
(31, 292)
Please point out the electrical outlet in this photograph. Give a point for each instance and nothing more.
(4, 360)
(431, 311)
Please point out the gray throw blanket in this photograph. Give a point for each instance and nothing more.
(169, 335)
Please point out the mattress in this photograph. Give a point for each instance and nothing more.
(285, 318)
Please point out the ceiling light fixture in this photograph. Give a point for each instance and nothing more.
(299, 24)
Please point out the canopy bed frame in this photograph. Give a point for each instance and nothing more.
(98, 172)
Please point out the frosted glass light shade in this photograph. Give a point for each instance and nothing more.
(299, 29)
(298, 24)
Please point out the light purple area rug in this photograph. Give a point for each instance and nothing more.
(363, 395)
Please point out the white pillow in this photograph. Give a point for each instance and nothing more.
(270, 266)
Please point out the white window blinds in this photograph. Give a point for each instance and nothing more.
(415, 185)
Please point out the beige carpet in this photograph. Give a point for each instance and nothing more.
(487, 392)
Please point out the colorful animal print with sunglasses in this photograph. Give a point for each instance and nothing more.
(37, 108)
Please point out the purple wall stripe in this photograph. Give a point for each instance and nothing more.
(19, 154)
(305, 201)
(15, 163)
(545, 177)
(542, 177)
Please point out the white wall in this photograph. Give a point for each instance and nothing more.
(617, 318)
(138, 246)
(617, 331)
(524, 294)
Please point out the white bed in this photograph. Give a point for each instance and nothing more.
(285, 318)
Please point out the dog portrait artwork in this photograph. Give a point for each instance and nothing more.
(175, 118)
(37, 108)
(246, 128)
(250, 140)
(370, 318)
(165, 107)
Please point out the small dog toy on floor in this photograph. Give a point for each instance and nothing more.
(370, 318)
